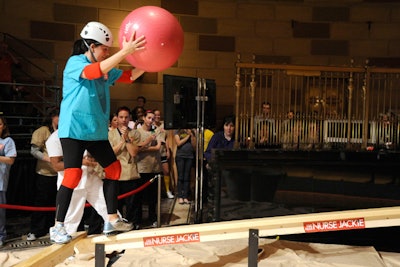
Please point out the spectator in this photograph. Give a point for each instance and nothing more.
(185, 140)
(140, 102)
(45, 179)
(113, 122)
(291, 130)
(264, 126)
(149, 162)
(126, 149)
(137, 119)
(8, 153)
(208, 134)
(222, 139)
(265, 112)
(165, 152)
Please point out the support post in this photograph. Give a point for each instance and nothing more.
(253, 248)
(99, 255)
(159, 199)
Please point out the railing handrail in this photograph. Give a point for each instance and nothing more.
(49, 86)
(320, 68)
(299, 67)
(352, 91)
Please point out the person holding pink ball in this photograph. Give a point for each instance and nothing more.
(83, 121)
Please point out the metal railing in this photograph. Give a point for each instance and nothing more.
(32, 91)
(34, 64)
(317, 107)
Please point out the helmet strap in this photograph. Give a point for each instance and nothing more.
(88, 47)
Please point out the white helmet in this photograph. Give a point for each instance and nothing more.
(98, 32)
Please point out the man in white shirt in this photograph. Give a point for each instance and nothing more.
(90, 187)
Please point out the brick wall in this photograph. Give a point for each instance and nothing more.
(294, 32)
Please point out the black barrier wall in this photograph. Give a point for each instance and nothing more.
(289, 182)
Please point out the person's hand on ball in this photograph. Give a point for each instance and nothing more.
(133, 44)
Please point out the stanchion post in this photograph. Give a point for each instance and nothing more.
(253, 248)
(159, 200)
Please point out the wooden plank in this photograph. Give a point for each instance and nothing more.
(84, 246)
(85, 249)
(279, 225)
(53, 255)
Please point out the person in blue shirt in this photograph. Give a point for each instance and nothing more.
(84, 114)
(222, 139)
(8, 153)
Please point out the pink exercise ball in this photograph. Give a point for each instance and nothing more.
(164, 38)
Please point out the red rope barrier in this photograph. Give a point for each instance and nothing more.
(140, 188)
(30, 208)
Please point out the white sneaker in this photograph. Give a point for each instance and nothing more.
(120, 225)
(59, 235)
(31, 237)
(170, 195)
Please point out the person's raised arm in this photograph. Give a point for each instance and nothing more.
(128, 47)
(132, 147)
(179, 142)
(136, 73)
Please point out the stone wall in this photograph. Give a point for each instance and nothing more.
(294, 32)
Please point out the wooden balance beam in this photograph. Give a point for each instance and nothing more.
(53, 255)
(227, 230)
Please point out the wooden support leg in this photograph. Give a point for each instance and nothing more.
(100, 255)
(253, 248)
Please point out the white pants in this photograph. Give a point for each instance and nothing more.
(93, 193)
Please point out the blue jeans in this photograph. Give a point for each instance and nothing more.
(183, 165)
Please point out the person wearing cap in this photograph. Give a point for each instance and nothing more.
(84, 114)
